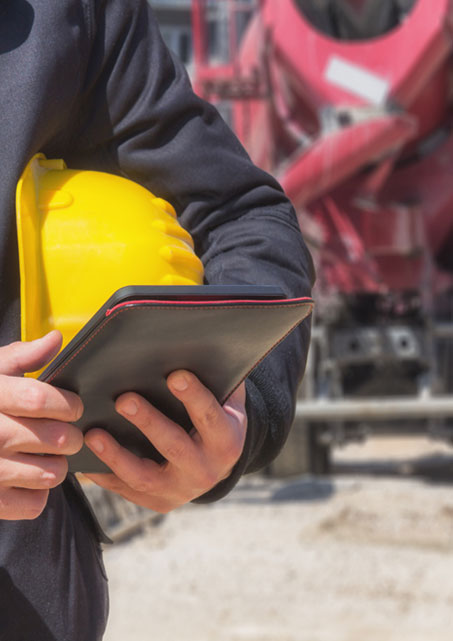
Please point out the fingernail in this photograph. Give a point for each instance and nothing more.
(97, 446)
(129, 407)
(179, 383)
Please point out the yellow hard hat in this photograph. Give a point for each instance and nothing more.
(84, 234)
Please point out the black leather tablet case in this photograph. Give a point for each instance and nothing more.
(137, 344)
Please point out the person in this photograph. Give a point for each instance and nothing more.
(91, 81)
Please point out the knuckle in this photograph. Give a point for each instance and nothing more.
(140, 485)
(14, 351)
(34, 397)
(176, 449)
(160, 480)
(5, 437)
(59, 437)
(112, 455)
(66, 438)
(142, 481)
(144, 419)
(209, 414)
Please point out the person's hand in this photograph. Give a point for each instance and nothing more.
(195, 462)
(35, 430)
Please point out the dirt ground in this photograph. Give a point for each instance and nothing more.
(366, 554)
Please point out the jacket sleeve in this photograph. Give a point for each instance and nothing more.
(139, 117)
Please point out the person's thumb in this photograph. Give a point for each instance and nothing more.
(18, 358)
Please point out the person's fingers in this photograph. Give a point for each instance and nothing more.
(32, 472)
(223, 431)
(137, 472)
(20, 357)
(151, 501)
(22, 504)
(169, 483)
(195, 462)
(168, 438)
(27, 397)
(38, 436)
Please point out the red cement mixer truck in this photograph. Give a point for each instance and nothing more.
(349, 104)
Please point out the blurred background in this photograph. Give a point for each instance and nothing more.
(349, 534)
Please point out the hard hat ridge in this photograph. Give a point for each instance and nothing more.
(84, 234)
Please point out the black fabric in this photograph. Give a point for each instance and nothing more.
(52, 581)
(90, 81)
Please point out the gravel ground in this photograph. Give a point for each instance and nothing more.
(351, 558)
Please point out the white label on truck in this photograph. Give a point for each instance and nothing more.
(357, 80)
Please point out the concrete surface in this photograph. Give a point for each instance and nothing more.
(364, 555)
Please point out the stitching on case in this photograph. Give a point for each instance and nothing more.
(261, 360)
(124, 309)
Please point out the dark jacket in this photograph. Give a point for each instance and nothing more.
(90, 81)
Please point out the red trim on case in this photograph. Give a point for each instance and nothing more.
(236, 301)
(122, 307)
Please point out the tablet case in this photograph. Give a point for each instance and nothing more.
(134, 345)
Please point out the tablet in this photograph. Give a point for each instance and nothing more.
(142, 334)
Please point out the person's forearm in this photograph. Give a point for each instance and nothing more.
(160, 134)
